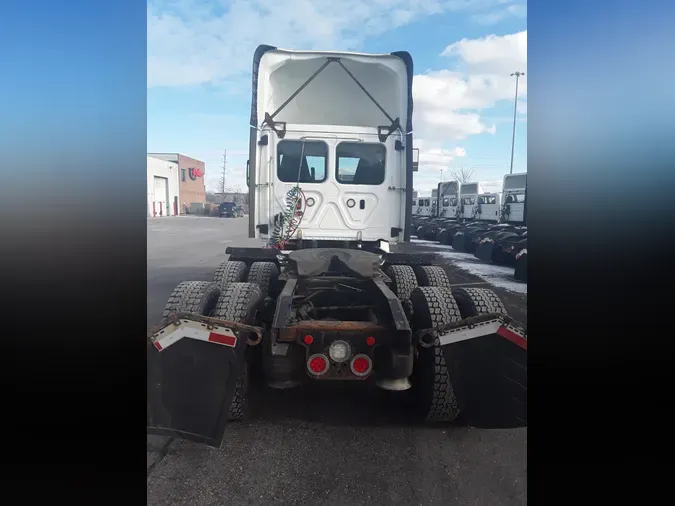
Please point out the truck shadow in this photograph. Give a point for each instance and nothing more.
(344, 404)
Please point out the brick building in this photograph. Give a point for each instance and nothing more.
(191, 174)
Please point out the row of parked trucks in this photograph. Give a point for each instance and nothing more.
(492, 226)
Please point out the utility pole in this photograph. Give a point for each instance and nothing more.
(222, 179)
(515, 108)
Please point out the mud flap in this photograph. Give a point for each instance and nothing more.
(520, 272)
(501, 255)
(484, 251)
(487, 364)
(191, 384)
(459, 242)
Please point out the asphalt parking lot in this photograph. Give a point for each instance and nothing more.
(336, 446)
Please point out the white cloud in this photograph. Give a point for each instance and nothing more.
(450, 104)
(493, 54)
(494, 16)
(522, 107)
(439, 157)
(191, 42)
(194, 42)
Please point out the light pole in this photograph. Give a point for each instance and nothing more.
(515, 108)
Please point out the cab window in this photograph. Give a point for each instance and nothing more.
(360, 163)
(312, 167)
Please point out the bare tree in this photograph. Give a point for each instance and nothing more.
(461, 174)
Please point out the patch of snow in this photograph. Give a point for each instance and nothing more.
(497, 275)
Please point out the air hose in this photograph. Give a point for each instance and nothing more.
(287, 222)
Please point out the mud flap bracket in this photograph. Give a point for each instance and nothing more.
(487, 362)
(203, 328)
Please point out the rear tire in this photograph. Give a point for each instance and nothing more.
(239, 405)
(432, 392)
(197, 297)
(403, 280)
(432, 275)
(239, 303)
(263, 274)
(490, 377)
(476, 301)
(230, 272)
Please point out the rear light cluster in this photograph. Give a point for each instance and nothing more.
(318, 364)
(360, 365)
(339, 352)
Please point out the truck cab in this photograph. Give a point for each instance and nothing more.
(329, 163)
(469, 206)
(489, 207)
(514, 199)
(415, 196)
(425, 205)
(448, 192)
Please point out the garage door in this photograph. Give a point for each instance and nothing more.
(161, 196)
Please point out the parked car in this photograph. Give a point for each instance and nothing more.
(230, 210)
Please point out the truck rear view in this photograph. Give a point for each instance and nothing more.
(330, 179)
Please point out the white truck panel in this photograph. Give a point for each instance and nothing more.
(337, 118)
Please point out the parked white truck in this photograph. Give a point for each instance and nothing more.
(324, 299)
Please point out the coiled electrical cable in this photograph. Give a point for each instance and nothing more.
(288, 221)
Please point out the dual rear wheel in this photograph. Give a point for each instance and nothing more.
(425, 290)
(236, 302)
(433, 302)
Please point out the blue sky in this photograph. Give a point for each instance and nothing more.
(199, 61)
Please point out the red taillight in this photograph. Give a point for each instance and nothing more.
(317, 364)
(361, 365)
(308, 340)
(370, 341)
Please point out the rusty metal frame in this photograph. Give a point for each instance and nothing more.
(339, 326)
(177, 318)
(284, 301)
(395, 306)
(470, 323)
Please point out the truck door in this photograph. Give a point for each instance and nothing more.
(161, 196)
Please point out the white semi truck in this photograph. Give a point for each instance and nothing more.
(324, 298)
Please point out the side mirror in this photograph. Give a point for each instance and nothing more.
(248, 173)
